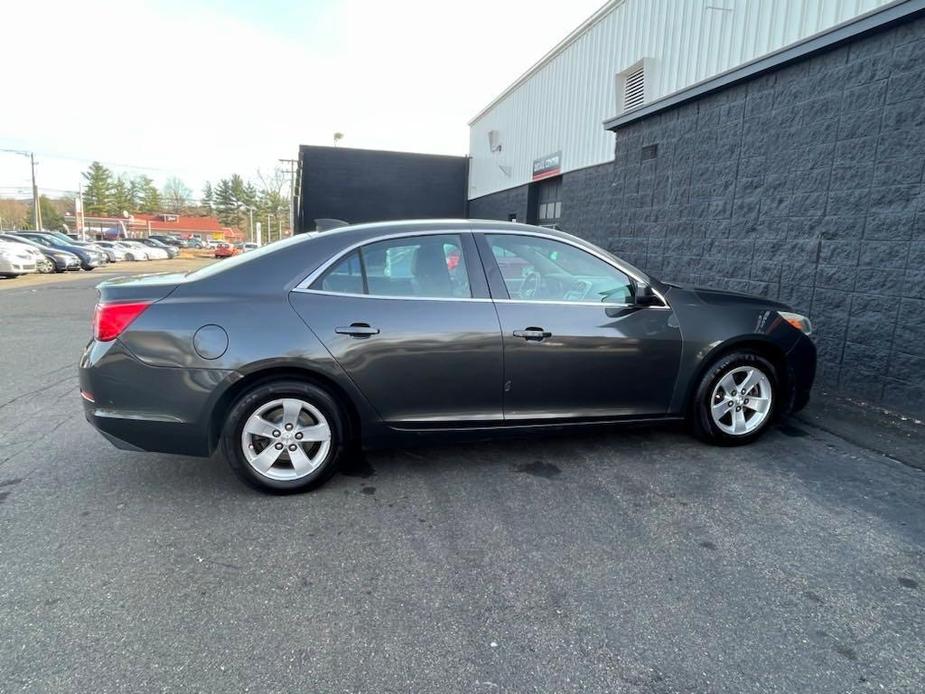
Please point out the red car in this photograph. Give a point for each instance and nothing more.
(225, 250)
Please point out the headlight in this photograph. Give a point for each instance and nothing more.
(797, 321)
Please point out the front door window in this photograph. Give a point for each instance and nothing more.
(540, 269)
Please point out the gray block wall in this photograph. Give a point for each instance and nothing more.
(804, 184)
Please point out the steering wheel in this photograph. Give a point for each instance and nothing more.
(531, 285)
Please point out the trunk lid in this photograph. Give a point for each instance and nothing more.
(140, 287)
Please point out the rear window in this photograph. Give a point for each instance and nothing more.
(235, 260)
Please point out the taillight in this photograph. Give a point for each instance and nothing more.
(109, 320)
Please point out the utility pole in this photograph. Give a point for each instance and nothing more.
(292, 163)
(36, 207)
(269, 228)
(79, 211)
(37, 210)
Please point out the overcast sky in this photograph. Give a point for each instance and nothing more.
(202, 88)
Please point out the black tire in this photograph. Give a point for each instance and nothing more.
(266, 392)
(701, 419)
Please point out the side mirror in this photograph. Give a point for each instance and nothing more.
(646, 297)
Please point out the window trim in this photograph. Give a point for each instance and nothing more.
(478, 240)
(304, 287)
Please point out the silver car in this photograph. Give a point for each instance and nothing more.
(14, 261)
(113, 250)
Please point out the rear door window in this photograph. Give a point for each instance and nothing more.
(427, 267)
(345, 277)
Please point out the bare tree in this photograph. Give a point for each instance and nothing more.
(176, 195)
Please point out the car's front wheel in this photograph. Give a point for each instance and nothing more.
(285, 436)
(736, 399)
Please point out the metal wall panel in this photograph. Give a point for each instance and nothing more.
(563, 103)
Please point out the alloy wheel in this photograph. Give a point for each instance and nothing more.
(286, 439)
(741, 401)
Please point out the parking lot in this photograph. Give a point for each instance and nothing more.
(636, 561)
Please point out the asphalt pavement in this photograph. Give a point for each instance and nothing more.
(623, 561)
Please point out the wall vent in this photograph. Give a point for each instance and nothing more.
(634, 87)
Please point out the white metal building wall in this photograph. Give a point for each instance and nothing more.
(562, 102)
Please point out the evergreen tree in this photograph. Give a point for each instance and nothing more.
(207, 198)
(224, 203)
(97, 194)
(123, 199)
(145, 195)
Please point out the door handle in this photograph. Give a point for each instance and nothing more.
(357, 330)
(533, 334)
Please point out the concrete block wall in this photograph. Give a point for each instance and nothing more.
(804, 184)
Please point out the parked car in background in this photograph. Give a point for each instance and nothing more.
(112, 249)
(249, 246)
(42, 263)
(61, 261)
(142, 252)
(113, 254)
(15, 260)
(134, 252)
(90, 258)
(172, 251)
(225, 250)
(366, 349)
(80, 242)
(154, 252)
(168, 240)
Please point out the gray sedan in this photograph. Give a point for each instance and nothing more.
(290, 356)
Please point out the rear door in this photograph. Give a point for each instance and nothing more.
(410, 320)
(575, 345)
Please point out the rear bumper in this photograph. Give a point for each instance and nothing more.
(149, 408)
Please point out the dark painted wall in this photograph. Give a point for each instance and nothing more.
(362, 185)
(805, 183)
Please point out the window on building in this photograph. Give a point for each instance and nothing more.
(549, 203)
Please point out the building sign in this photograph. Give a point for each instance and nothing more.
(547, 166)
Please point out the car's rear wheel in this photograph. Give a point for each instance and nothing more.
(735, 400)
(285, 436)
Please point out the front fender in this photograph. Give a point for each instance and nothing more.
(710, 330)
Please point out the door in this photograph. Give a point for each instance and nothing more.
(411, 322)
(575, 344)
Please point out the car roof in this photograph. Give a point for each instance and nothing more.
(370, 229)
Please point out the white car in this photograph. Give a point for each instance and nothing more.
(152, 252)
(135, 250)
(115, 252)
(42, 264)
(15, 262)
(249, 246)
